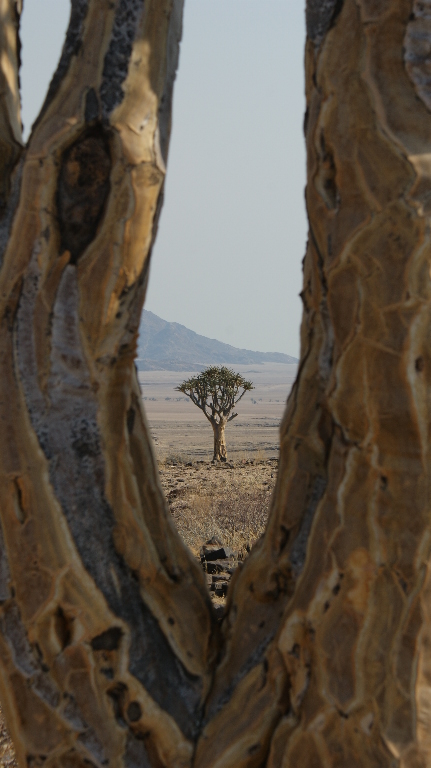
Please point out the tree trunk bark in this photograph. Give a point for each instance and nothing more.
(109, 650)
(220, 452)
(329, 623)
(104, 613)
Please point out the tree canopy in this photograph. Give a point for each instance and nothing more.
(216, 391)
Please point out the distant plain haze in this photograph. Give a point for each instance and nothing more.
(227, 261)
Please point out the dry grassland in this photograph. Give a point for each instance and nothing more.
(229, 501)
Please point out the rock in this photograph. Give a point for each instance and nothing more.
(230, 569)
(219, 609)
(213, 552)
(221, 589)
(215, 566)
(219, 563)
(220, 581)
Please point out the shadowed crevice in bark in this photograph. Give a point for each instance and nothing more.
(91, 106)
(83, 190)
(257, 657)
(172, 57)
(36, 675)
(136, 755)
(298, 552)
(4, 570)
(10, 154)
(65, 421)
(327, 349)
(116, 63)
(13, 631)
(71, 47)
(417, 51)
(320, 16)
(326, 177)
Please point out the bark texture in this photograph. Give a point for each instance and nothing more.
(10, 110)
(109, 653)
(103, 612)
(334, 665)
(220, 450)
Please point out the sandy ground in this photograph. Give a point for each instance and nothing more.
(179, 427)
(229, 501)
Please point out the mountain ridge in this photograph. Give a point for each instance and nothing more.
(173, 347)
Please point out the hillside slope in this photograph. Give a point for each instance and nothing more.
(173, 347)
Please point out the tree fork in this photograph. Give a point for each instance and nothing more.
(108, 648)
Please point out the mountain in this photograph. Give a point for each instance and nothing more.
(173, 347)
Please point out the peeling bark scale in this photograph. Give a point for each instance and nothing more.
(109, 650)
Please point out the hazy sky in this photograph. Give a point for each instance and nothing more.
(227, 261)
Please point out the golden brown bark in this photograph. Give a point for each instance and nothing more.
(329, 622)
(220, 450)
(10, 111)
(104, 613)
(109, 652)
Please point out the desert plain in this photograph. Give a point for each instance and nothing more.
(179, 428)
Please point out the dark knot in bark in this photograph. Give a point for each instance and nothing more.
(83, 189)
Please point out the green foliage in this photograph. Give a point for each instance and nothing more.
(216, 391)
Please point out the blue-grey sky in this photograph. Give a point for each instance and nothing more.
(227, 261)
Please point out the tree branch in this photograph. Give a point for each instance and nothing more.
(99, 578)
(240, 397)
(11, 145)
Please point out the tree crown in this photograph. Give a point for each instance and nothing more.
(216, 391)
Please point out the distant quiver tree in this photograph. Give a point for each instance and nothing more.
(216, 391)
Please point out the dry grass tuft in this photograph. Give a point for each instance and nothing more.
(238, 519)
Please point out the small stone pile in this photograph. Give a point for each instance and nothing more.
(219, 562)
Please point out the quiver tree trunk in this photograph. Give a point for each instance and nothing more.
(220, 451)
(345, 558)
(104, 613)
(109, 653)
